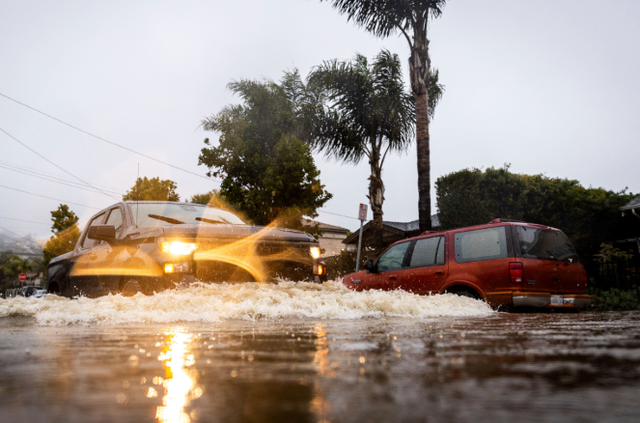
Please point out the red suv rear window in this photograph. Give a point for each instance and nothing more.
(545, 244)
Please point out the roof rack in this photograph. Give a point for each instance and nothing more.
(429, 232)
(501, 220)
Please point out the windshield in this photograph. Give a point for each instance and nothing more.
(545, 244)
(163, 214)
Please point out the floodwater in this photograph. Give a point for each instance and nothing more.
(311, 353)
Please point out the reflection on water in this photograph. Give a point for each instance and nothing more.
(491, 369)
(319, 405)
(180, 381)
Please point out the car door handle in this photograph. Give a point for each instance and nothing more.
(439, 273)
(555, 278)
(393, 277)
(92, 256)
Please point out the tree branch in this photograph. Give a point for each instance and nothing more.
(406, 36)
(384, 156)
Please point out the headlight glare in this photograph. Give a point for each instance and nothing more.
(315, 252)
(178, 248)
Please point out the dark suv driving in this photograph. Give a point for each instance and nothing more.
(507, 263)
(149, 246)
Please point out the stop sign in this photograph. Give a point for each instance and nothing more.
(22, 277)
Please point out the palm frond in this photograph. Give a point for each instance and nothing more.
(384, 17)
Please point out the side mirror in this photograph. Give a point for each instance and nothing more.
(102, 232)
(369, 266)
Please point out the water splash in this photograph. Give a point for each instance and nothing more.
(248, 301)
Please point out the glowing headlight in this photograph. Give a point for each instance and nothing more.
(176, 267)
(178, 248)
(315, 252)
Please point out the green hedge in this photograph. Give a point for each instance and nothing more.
(616, 300)
(589, 216)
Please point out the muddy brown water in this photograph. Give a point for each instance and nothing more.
(304, 353)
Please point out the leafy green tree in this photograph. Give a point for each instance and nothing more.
(16, 265)
(204, 198)
(5, 282)
(368, 114)
(152, 189)
(589, 216)
(410, 18)
(11, 266)
(268, 171)
(66, 233)
(62, 219)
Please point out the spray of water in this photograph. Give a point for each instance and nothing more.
(248, 301)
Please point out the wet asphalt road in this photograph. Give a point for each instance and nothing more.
(497, 368)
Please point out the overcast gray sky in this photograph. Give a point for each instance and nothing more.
(550, 87)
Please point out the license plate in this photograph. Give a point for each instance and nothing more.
(556, 300)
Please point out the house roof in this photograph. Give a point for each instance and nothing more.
(414, 225)
(392, 231)
(633, 204)
(325, 227)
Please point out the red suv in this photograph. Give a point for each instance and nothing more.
(506, 263)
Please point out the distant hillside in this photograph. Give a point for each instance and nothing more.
(26, 246)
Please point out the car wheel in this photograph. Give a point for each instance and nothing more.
(131, 287)
(467, 293)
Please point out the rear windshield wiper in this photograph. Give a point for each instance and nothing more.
(166, 219)
(205, 220)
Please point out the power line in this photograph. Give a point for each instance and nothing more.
(22, 220)
(127, 149)
(20, 237)
(33, 228)
(336, 214)
(52, 179)
(50, 198)
(59, 167)
(50, 175)
(107, 141)
(9, 236)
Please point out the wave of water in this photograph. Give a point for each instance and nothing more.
(250, 301)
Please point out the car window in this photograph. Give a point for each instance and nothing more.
(115, 219)
(392, 259)
(428, 252)
(545, 244)
(150, 215)
(482, 244)
(87, 242)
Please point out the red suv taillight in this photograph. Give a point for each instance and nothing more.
(515, 272)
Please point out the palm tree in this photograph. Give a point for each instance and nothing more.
(367, 114)
(410, 18)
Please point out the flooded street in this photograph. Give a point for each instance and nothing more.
(311, 353)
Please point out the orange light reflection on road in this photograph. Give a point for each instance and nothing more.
(179, 381)
(320, 406)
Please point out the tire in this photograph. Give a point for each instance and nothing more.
(464, 292)
(131, 287)
(53, 289)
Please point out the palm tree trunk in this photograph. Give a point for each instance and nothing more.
(424, 162)
(376, 197)
(419, 64)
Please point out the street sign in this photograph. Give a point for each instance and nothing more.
(22, 277)
(362, 213)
